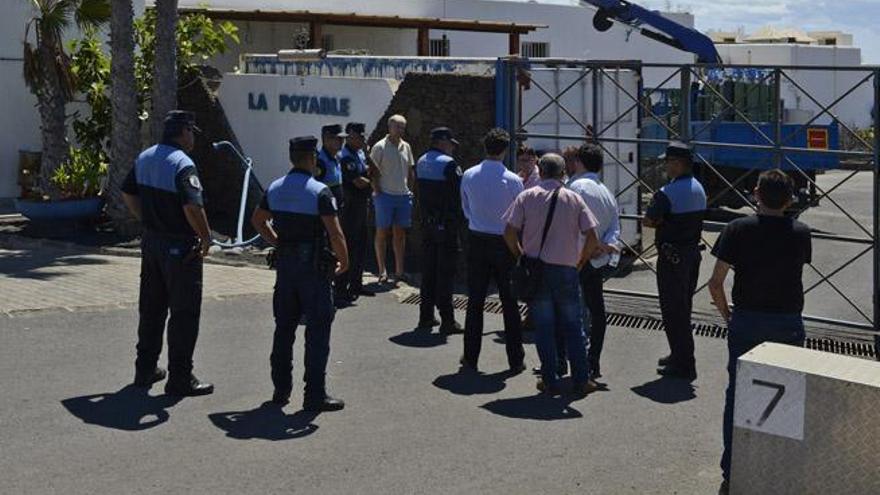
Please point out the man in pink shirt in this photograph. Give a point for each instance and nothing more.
(570, 242)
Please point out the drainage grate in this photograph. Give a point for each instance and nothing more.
(835, 346)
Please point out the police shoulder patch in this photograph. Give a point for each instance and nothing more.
(194, 182)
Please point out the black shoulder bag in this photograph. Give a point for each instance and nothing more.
(525, 278)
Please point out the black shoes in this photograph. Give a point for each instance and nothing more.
(689, 374)
(325, 404)
(665, 360)
(467, 365)
(147, 380)
(191, 388)
(587, 388)
(447, 328)
(547, 389)
(516, 369)
(281, 397)
(428, 324)
(363, 292)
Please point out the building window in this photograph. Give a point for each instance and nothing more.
(535, 49)
(327, 42)
(439, 47)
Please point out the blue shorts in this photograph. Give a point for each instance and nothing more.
(393, 209)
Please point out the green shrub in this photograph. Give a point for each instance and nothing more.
(81, 175)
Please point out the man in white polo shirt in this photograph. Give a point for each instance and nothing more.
(393, 164)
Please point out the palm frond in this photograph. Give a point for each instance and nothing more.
(92, 13)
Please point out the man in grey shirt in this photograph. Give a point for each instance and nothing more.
(586, 165)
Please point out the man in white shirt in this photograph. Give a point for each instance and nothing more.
(487, 191)
(392, 164)
(586, 165)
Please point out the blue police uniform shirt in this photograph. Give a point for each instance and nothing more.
(297, 202)
(165, 179)
(353, 164)
(439, 182)
(329, 171)
(681, 206)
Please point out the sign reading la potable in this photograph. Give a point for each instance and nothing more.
(266, 110)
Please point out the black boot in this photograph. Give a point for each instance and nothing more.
(146, 380)
(190, 387)
(323, 404)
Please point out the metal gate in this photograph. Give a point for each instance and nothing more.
(740, 120)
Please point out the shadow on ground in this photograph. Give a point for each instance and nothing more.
(420, 338)
(131, 409)
(472, 383)
(267, 422)
(24, 264)
(539, 407)
(666, 390)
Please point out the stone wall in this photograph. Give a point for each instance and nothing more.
(221, 171)
(464, 103)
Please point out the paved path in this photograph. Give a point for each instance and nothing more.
(69, 423)
(33, 280)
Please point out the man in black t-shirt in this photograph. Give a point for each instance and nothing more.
(767, 252)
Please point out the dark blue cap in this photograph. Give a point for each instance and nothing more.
(443, 134)
(355, 127)
(678, 149)
(334, 129)
(177, 120)
(303, 143)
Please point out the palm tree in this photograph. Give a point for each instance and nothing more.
(125, 133)
(164, 93)
(47, 71)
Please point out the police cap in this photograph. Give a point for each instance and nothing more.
(678, 149)
(303, 143)
(356, 127)
(177, 120)
(443, 134)
(333, 129)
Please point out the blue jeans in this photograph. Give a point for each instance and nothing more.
(747, 330)
(558, 307)
(301, 291)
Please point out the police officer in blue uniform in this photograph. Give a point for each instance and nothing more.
(357, 190)
(677, 212)
(164, 192)
(310, 250)
(329, 171)
(439, 183)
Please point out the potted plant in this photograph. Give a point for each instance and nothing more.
(78, 182)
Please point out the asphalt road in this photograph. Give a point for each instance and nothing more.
(69, 424)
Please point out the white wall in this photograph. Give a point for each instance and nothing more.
(825, 86)
(19, 118)
(264, 133)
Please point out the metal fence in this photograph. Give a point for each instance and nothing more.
(796, 125)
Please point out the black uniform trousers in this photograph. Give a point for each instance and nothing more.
(354, 226)
(489, 259)
(439, 253)
(592, 283)
(171, 280)
(678, 268)
(301, 291)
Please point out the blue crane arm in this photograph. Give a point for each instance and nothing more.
(671, 32)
